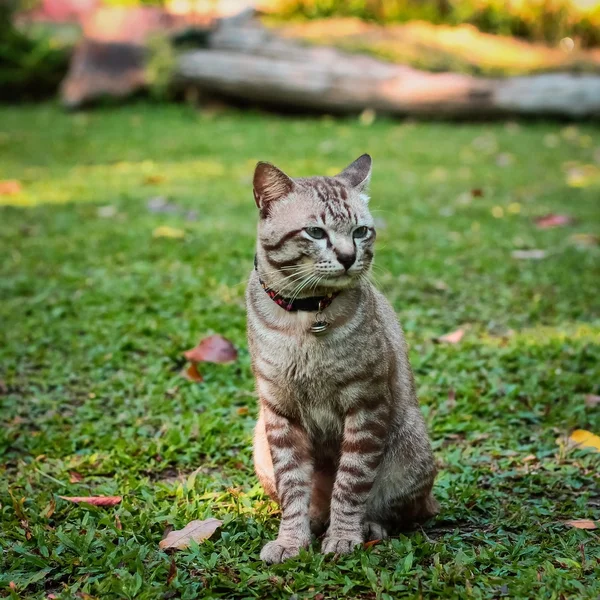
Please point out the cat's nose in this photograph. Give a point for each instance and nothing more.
(347, 260)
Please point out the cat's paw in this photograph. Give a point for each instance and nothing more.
(374, 531)
(278, 552)
(338, 545)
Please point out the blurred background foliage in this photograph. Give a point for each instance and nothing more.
(32, 61)
(539, 20)
(467, 36)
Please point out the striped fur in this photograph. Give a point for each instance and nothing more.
(340, 441)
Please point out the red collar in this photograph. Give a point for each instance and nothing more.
(312, 304)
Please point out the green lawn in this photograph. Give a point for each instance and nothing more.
(96, 313)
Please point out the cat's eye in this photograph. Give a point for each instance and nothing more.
(360, 232)
(315, 232)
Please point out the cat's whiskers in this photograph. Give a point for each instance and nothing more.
(292, 282)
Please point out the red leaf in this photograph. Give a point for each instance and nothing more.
(582, 524)
(191, 373)
(215, 349)
(451, 338)
(10, 187)
(95, 500)
(371, 543)
(552, 220)
(75, 477)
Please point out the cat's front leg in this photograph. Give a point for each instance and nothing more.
(293, 469)
(365, 431)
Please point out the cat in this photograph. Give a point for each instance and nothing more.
(340, 440)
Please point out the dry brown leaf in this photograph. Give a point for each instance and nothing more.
(553, 220)
(191, 373)
(49, 510)
(242, 410)
(194, 530)
(214, 348)
(477, 193)
(172, 572)
(10, 187)
(118, 524)
(529, 458)
(95, 500)
(153, 179)
(582, 524)
(451, 398)
(591, 400)
(371, 543)
(75, 477)
(584, 240)
(451, 338)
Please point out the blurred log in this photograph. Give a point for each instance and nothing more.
(247, 62)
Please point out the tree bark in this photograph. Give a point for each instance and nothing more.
(247, 62)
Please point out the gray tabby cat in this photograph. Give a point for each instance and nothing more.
(340, 440)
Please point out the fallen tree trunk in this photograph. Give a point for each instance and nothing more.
(247, 62)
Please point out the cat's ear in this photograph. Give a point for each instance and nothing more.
(358, 174)
(270, 184)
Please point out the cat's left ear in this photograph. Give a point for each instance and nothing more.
(358, 174)
(270, 184)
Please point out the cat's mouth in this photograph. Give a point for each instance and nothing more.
(341, 281)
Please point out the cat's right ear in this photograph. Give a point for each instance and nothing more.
(270, 184)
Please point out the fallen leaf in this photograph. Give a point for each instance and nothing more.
(581, 176)
(172, 572)
(585, 439)
(10, 187)
(153, 179)
(529, 254)
(451, 338)
(161, 204)
(504, 159)
(371, 543)
(49, 510)
(529, 458)
(592, 400)
(367, 117)
(552, 220)
(106, 211)
(118, 524)
(582, 524)
(214, 348)
(584, 240)
(477, 193)
(194, 530)
(242, 410)
(451, 398)
(95, 500)
(191, 373)
(168, 232)
(75, 477)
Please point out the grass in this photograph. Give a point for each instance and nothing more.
(96, 312)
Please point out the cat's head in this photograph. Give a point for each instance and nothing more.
(315, 234)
